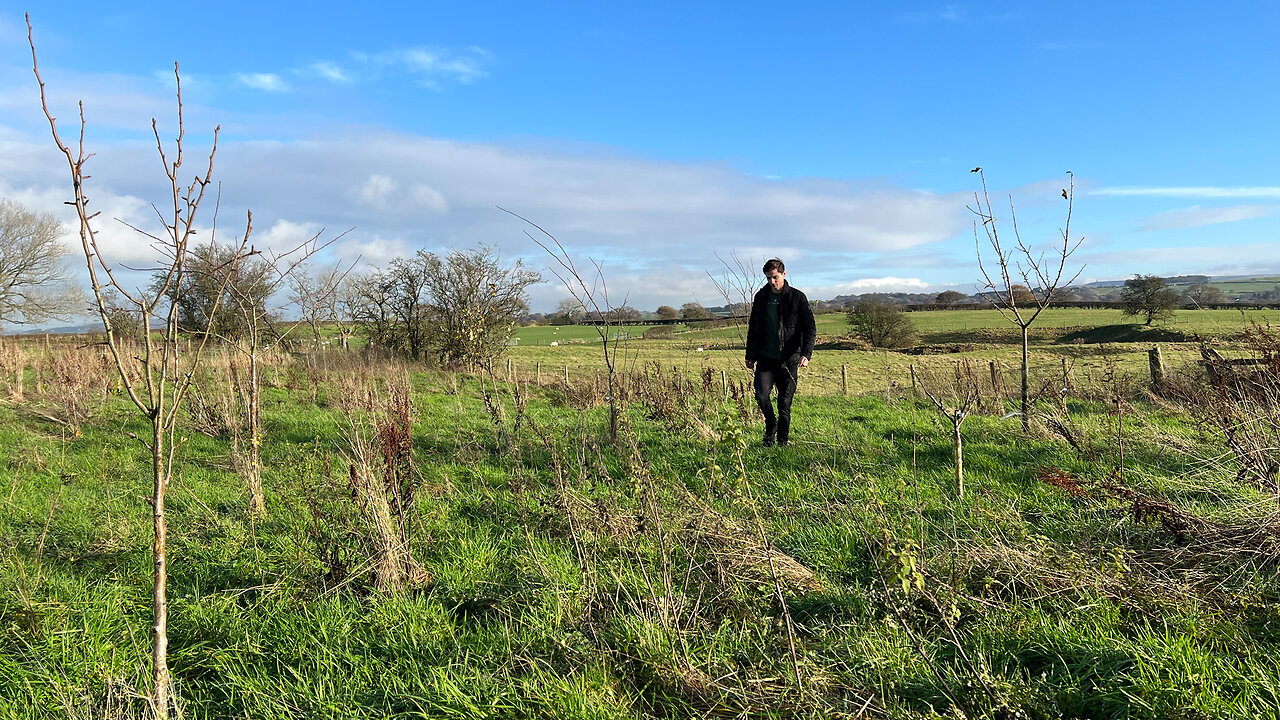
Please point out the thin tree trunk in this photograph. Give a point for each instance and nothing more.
(257, 503)
(959, 445)
(613, 411)
(160, 604)
(1026, 391)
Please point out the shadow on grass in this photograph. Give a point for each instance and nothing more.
(1127, 333)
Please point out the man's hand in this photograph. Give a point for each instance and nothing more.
(804, 362)
(751, 364)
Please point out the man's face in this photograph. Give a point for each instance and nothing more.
(775, 278)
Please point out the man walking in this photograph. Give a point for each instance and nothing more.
(780, 339)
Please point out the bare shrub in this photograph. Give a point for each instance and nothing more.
(12, 362)
(1199, 553)
(671, 399)
(78, 383)
(1240, 401)
(379, 457)
(212, 406)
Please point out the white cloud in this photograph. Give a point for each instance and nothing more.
(427, 197)
(373, 250)
(267, 82)
(330, 71)
(381, 192)
(640, 216)
(432, 64)
(1198, 216)
(284, 236)
(881, 284)
(1190, 192)
(405, 192)
(375, 192)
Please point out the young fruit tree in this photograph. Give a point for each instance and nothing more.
(955, 394)
(157, 375)
(737, 283)
(1025, 282)
(249, 283)
(593, 296)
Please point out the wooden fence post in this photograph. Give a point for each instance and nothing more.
(913, 378)
(537, 373)
(844, 380)
(1156, 361)
(724, 383)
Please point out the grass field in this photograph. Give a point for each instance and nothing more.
(983, 336)
(1251, 285)
(679, 571)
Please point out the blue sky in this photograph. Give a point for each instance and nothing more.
(655, 136)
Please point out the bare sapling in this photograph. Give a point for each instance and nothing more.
(315, 294)
(250, 281)
(1025, 281)
(955, 394)
(592, 295)
(1118, 388)
(737, 284)
(156, 374)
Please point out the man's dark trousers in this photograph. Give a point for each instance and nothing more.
(782, 374)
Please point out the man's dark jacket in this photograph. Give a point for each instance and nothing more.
(796, 328)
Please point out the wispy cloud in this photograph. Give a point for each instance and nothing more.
(434, 65)
(956, 14)
(1206, 192)
(1246, 258)
(330, 71)
(267, 82)
(430, 67)
(1198, 216)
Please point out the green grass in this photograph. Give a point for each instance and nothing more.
(1261, 284)
(548, 545)
(982, 336)
(545, 334)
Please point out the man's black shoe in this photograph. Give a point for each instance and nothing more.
(784, 443)
(768, 441)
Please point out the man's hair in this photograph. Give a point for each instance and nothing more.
(774, 264)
